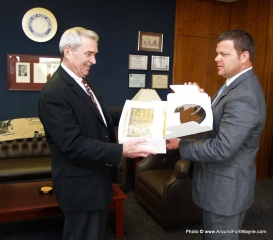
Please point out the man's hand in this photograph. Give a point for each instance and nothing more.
(201, 90)
(131, 148)
(173, 143)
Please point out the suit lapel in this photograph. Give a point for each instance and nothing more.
(234, 84)
(80, 92)
(224, 93)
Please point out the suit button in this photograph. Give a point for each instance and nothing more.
(107, 139)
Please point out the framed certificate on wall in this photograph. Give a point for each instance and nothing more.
(137, 80)
(160, 81)
(160, 63)
(138, 62)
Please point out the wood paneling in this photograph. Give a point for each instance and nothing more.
(267, 139)
(198, 24)
(193, 67)
(269, 94)
(256, 18)
(201, 18)
(252, 16)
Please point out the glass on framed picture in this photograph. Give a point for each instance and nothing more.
(137, 80)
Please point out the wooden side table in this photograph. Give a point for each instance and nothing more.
(117, 204)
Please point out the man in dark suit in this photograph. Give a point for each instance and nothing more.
(81, 138)
(224, 172)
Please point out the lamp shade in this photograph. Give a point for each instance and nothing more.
(146, 95)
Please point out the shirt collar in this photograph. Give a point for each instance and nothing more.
(72, 74)
(230, 80)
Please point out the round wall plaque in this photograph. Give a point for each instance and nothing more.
(39, 24)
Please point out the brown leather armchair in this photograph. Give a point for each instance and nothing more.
(163, 188)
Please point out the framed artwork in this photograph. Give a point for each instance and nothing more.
(138, 62)
(30, 72)
(160, 63)
(149, 41)
(160, 81)
(137, 80)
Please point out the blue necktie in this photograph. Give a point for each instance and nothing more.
(222, 89)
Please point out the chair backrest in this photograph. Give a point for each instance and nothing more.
(26, 147)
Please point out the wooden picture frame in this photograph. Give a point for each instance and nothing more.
(30, 72)
(150, 41)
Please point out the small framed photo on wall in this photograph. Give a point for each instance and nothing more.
(22, 73)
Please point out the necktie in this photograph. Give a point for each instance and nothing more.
(222, 89)
(90, 93)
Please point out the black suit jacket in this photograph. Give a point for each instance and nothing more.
(80, 143)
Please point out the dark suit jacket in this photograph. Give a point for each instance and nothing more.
(224, 160)
(81, 145)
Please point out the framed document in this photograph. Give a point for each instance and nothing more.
(138, 62)
(149, 41)
(30, 72)
(160, 63)
(160, 81)
(137, 80)
(39, 72)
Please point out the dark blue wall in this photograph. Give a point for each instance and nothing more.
(116, 22)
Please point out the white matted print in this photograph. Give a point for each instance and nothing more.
(22, 72)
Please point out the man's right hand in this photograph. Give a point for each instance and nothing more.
(131, 148)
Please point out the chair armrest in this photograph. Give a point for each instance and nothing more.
(180, 174)
(150, 162)
(158, 161)
(181, 169)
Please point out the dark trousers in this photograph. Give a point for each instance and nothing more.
(89, 225)
(224, 227)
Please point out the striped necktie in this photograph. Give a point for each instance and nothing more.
(88, 89)
(222, 89)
